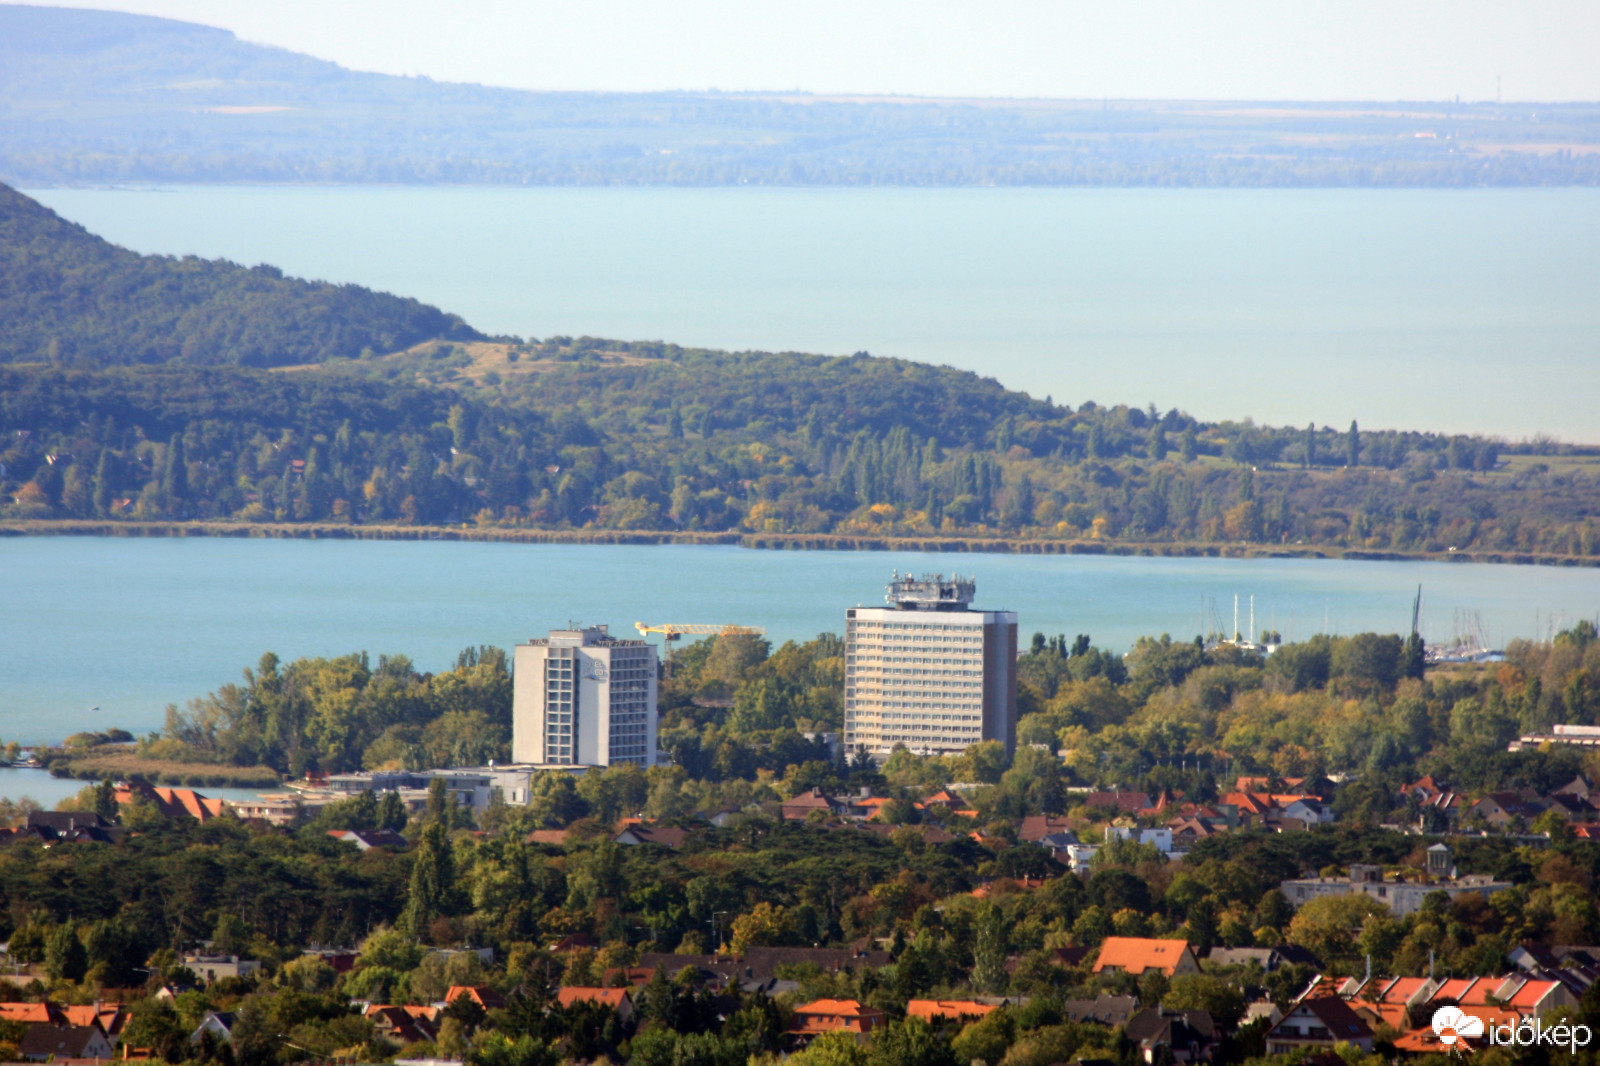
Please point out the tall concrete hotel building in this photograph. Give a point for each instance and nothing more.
(928, 671)
(582, 697)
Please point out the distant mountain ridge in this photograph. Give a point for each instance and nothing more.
(67, 295)
(94, 96)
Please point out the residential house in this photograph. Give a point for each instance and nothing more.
(1318, 1021)
(1407, 1004)
(1509, 810)
(1103, 1009)
(1175, 1035)
(946, 798)
(219, 1023)
(1062, 838)
(112, 1018)
(171, 802)
(1308, 809)
(806, 803)
(1123, 802)
(1077, 857)
(482, 995)
(45, 1013)
(1578, 787)
(402, 1025)
(663, 836)
(615, 998)
(1160, 839)
(820, 1016)
(1034, 828)
(367, 839)
(69, 826)
(1429, 795)
(1572, 808)
(953, 1010)
(1267, 959)
(1134, 955)
(1186, 832)
(49, 1043)
(215, 967)
(1282, 812)
(634, 976)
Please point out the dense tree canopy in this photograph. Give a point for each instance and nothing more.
(579, 434)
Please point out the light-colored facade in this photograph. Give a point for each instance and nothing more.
(1401, 897)
(584, 698)
(928, 671)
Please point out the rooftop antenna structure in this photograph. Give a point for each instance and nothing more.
(930, 592)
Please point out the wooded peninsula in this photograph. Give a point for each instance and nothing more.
(152, 394)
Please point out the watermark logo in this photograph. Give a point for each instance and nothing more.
(1453, 1025)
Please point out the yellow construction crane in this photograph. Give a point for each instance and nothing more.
(672, 632)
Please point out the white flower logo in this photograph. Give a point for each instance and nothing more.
(1451, 1024)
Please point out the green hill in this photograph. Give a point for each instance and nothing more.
(581, 434)
(68, 296)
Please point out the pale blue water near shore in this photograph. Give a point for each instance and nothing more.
(129, 625)
(1440, 309)
(47, 791)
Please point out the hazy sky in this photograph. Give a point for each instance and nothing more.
(1227, 49)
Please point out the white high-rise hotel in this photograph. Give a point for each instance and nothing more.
(584, 698)
(928, 671)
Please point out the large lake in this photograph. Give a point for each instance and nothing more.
(1453, 310)
(102, 632)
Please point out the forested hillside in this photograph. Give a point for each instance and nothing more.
(585, 435)
(107, 96)
(68, 296)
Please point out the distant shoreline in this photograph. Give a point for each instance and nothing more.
(774, 541)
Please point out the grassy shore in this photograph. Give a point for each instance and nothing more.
(97, 765)
(770, 541)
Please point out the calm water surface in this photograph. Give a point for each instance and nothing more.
(128, 625)
(1451, 310)
(47, 791)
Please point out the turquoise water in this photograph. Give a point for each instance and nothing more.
(128, 625)
(47, 791)
(1450, 310)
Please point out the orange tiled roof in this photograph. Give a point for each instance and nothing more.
(1136, 954)
(946, 797)
(833, 1015)
(482, 995)
(934, 1009)
(105, 1015)
(47, 1013)
(610, 997)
